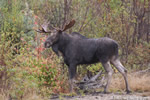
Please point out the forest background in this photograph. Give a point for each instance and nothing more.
(26, 67)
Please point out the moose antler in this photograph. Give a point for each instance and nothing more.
(44, 28)
(69, 25)
(45, 25)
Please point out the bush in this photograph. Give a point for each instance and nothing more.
(38, 63)
(138, 58)
(10, 33)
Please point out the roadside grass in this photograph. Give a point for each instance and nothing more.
(32, 95)
(137, 83)
(3, 96)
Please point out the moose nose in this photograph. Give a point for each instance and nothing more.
(47, 45)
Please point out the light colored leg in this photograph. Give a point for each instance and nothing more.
(109, 71)
(123, 71)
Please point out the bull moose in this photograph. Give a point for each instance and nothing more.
(76, 49)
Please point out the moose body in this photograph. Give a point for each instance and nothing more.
(76, 49)
(84, 50)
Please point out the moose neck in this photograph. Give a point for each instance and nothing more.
(63, 41)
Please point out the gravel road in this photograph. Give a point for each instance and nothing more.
(111, 96)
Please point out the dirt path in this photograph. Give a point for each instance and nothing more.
(111, 96)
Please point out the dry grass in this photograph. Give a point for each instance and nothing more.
(137, 83)
(4, 96)
(33, 96)
(30, 96)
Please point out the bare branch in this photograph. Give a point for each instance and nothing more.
(95, 77)
(84, 19)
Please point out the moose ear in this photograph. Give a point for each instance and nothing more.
(69, 25)
(60, 31)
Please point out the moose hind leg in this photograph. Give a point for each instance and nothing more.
(109, 71)
(123, 71)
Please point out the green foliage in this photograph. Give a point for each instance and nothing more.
(11, 26)
(95, 67)
(12, 30)
(10, 33)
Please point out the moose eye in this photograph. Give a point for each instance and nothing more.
(47, 45)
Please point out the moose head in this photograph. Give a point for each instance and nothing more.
(54, 34)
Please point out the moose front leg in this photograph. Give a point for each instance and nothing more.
(72, 73)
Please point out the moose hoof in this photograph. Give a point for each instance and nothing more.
(129, 91)
(106, 92)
